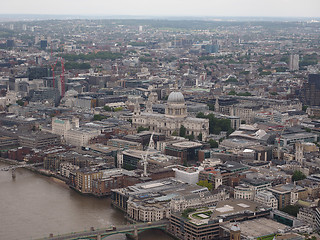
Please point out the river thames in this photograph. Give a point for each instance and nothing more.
(33, 206)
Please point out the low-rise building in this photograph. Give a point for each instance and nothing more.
(39, 140)
(266, 198)
(288, 194)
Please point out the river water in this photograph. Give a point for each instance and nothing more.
(33, 206)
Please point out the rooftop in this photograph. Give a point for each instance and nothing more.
(258, 227)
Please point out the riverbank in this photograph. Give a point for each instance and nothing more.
(34, 169)
(60, 180)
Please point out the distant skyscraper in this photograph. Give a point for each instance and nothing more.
(43, 44)
(140, 28)
(310, 92)
(294, 62)
(10, 43)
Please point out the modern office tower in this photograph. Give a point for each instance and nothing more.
(310, 92)
(43, 44)
(294, 62)
(10, 43)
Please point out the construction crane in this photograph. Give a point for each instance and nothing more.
(145, 157)
(62, 77)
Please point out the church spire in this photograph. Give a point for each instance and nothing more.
(136, 110)
(217, 106)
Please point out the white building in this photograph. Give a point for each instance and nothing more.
(175, 116)
(187, 175)
(266, 198)
(243, 192)
(71, 133)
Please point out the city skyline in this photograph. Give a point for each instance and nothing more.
(229, 8)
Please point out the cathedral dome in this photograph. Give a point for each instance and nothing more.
(176, 97)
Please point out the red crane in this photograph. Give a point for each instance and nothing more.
(61, 75)
(62, 78)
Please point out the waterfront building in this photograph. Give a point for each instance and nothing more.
(84, 179)
(152, 201)
(205, 224)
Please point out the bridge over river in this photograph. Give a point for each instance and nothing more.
(132, 231)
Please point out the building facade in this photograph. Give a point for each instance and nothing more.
(175, 116)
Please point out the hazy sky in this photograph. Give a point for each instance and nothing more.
(273, 8)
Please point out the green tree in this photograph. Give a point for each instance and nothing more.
(206, 184)
(20, 102)
(175, 133)
(232, 92)
(200, 115)
(97, 117)
(298, 175)
(200, 137)
(211, 106)
(291, 210)
(304, 108)
(107, 108)
(141, 129)
(182, 131)
(187, 211)
(190, 137)
(118, 109)
(213, 143)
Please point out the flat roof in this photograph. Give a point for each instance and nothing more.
(187, 144)
(233, 206)
(257, 227)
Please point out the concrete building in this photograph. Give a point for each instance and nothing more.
(308, 215)
(294, 62)
(288, 194)
(39, 140)
(84, 179)
(317, 225)
(71, 132)
(205, 224)
(187, 175)
(266, 198)
(153, 201)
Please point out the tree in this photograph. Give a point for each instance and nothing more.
(141, 129)
(291, 210)
(213, 143)
(190, 137)
(20, 102)
(175, 133)
(200, 115)
(206, 184)
(200, 137)
(187, 211)
(107, 108)
(304, 108)
(98, 117)
(182, 131)
(118, 109)
(298, 175)
(232, 92)
(211, 106)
